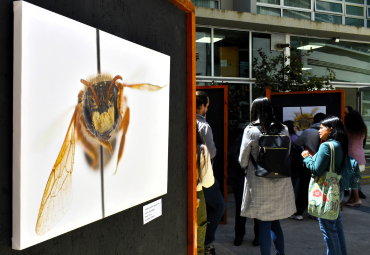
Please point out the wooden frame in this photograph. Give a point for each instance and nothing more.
(226, 97)
(189, 9)
(269, 94)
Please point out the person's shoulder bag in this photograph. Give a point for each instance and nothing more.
(323, 195)
(273, 155)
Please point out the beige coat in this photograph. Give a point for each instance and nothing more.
(207, 173)
(266, 199)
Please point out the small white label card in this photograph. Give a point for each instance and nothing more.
(152, 211)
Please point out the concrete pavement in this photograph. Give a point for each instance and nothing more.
(301, 237)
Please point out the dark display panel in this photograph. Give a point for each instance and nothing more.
(158, 25)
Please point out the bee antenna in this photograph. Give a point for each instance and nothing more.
(86, 83)
(117, 77)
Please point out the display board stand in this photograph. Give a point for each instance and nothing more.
(188, 7)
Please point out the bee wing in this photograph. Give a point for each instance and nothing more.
(314, 111)
(57, 196)
(144, 86)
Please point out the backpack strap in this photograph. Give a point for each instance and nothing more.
(251, 158)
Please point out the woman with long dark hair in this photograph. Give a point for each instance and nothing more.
(357, 132)
(265, 199)
(331, 130)
(204, 179)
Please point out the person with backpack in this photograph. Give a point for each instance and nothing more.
(357, 133)
(311, 141)
(331, 131)
(235, 179)
(296, 162)
(265, 199)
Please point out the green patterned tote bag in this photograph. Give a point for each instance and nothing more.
(323, 195)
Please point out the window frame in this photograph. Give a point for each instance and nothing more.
(331, 12)
(355, 5)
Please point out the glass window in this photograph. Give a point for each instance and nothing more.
(349, 60)
(203, 51)
(262, 42)
(296, 14)
(354, 10)
(354, 22)
(298, 3)
(206, 3)
(355, 1)
(231, 53)
(328, 18)
(368, 23)
(269, 1)
(268, 11)
(326, 6)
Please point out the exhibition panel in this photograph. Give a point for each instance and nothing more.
(89, 104)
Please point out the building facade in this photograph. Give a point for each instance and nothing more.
(230, 33)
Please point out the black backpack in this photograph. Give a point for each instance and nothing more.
(273, 156)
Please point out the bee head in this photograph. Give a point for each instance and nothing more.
(99, 107)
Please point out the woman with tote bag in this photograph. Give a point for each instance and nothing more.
(331, 131)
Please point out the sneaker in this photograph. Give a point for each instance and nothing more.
(296, 217)
(209, 250)
(312, 217)
(361, 195)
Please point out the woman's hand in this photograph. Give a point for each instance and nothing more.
(305, 154)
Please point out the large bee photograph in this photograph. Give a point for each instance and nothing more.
(303, 116)
(91, 117)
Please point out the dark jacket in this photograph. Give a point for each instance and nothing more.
(236, 175)
(310, 138)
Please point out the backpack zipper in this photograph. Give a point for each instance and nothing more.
(272, 148)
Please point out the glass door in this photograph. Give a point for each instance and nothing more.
(364, 107)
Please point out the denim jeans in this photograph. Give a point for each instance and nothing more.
(215, 209)
(333, 232)
(268, 230)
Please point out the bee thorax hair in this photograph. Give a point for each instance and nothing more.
(93, 79)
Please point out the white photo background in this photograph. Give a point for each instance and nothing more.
(56, 53)
(142, 172)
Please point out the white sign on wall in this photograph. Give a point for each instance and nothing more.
(152, 211)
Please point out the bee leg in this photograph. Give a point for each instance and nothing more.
(124, 126)
(107, 145)
(90, 151)
(89, 148)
